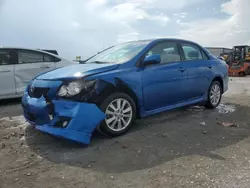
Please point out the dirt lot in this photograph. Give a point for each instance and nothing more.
(188, 147)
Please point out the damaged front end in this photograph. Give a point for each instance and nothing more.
(70, 119)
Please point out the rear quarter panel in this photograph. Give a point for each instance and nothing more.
(220, 70)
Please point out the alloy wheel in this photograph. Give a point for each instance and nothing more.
(119, 114)
(215, 94)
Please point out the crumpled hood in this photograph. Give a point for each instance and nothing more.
(78, 70)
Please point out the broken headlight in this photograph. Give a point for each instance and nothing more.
(74, 88)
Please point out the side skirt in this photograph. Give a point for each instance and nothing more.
(166, 108)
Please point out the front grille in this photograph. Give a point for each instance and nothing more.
(30, 116)
(37, 92)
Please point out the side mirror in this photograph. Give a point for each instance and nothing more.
(152, 59)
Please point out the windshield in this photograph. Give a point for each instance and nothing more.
(120, 53)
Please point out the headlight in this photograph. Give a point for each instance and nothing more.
(74, 88)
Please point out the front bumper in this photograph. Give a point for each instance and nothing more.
(80, 119)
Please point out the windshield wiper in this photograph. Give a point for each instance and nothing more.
(99, 62)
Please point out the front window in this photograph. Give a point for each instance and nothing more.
(168, 51)
(119, 54)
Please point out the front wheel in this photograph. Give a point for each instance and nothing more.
(120, 111)
(214, 95)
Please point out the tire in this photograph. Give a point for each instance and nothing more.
(242, 74)
(213, 102)
(119, 122)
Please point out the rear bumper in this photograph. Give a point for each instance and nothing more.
(225, 83)
(68, 119)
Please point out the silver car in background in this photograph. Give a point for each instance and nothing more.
(18, 66)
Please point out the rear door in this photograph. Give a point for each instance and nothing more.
(7, 82)
(30, 63)
(199, 69)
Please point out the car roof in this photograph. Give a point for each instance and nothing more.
(167, 39)
(32, 49)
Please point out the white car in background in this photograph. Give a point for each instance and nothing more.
(18, 66)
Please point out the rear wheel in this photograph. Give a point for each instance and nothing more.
(120, 111)
(214, 95)
(242, 74)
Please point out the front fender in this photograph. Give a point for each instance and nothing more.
(127, 81)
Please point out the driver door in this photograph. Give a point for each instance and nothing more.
(164, 84)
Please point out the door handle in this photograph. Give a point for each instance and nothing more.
(45, 66)
(209, 66)
(181, 69)
(6, 71)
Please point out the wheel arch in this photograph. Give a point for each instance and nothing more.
(118, 86)
(242, 73)
(220, 80)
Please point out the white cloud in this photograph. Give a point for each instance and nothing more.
(170, 5)
(128, 37)
(72, 27)
(228, 32)
(131, 12)
(183, 14)
(82, 27)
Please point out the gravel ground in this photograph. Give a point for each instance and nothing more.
(187, 147)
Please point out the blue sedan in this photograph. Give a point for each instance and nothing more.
(116, 86)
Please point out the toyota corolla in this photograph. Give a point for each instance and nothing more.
(124, 82)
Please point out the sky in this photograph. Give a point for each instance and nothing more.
(83, 27)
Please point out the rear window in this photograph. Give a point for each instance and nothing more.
(48, 58)
(193, 52)
(29, 57)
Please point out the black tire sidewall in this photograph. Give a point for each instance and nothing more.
(209, 104)
(103, 128)
(242, 74)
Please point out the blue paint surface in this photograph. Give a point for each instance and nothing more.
(82, 117)
(155, 88)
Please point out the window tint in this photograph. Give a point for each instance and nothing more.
(168, 51)
(48, 58)
(57, 59)
(191, 52)
(4, 57)
(26, 56)
(204, 55)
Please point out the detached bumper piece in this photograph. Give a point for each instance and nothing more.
(67, 119)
